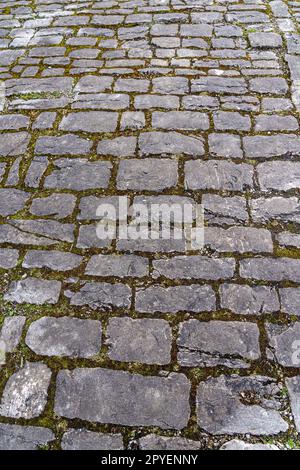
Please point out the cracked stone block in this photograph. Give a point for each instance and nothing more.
(101, 295)
(12, 201)
(270, 85)
(132, 120)
(293, 386)
(35, 171)
(55, 260)
(64, 336)
(240, 405)
(220, 210)
(265, 40)
(51, 229)
(68, 144)
(155, 442)
(8, 258)
(238, 239)
(283, 209)
(271, 269)
(83, 439)
(56, 205)
(14, 143)
(25, 393)
(194, 267)
(62, 85)
(118, 147)
(33, 291)
(15, 437)
(249, 300)
(150, 174)
(279, 175)
(117, 265)
(91, 121)
(118, 397)
(219, 175)
(79, 174)
(236, 444)
(290, 300)
(44, 120)
(144, 340)
(209, 344)
(11, 332)
(284, 344)
(267, 146)
(169, 143)
(159, 299)
(225, 145)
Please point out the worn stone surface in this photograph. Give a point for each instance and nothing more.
(143, 340)
(283, 344)
(208, 344)
(33, 291)
(236, 444)
(64, 336)
(15, 437)
(223, 408)
(25, 392)
(82, 439)
(119, 397)
(155, 442)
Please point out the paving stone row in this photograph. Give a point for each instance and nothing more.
(141, 343)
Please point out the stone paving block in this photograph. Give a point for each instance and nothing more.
(11, 332)
(192, 298)
(293, 386)
(267, 146)
(290, 300)
(144, 340)
(278, 208)
(64, 336)
(156, 442)
(92, 121)
(223, 407)
(208, 344)
(54, 260)
(101, 295)
(238, 239)
(118, 397)
(279, 175)
(79, 174)
(225, 145)
(82, 439)
(236, 444)
(69, 144)
(194, 267)
(219, 175)
(220, 210)
(14, 143)
(16, 437)
(56, 205)
(169, 143)
(151, 174)
(249, 300)
(117, 265)
(33, 291)
(25, 392)
(181, 120)
(8, 258)
(118, 147)
(283, 343)
(271, 269)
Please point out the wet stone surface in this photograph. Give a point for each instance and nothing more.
(150, 342)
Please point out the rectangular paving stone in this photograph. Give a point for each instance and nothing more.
(142, 340)
(279, 175)
(266, 146)
(92, 121)
(238, 239)
(290, 300)
(33, 291)
(101, 295)
(18, 86)
(64, 337)
(209, 344)
(271, 269)
(45, 228)
(181, 120)
(83, 439)
(159, 299)
(16, 437)
(219, 175)
(11, 332)
(8, 258)
(54, 260)
(79, 174)
(220, 210)
(194, 267)
(212, 84)
(118, 397)
(68, 144)
(14, 143)
(293, 386)
(150, 174)
(156, 101)
(249, 300)
(281, 344)
(169, 143)
(283, 209)
(117, 265)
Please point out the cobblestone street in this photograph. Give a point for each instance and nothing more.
(141, 343)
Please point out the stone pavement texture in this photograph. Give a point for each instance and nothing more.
(140, 344)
